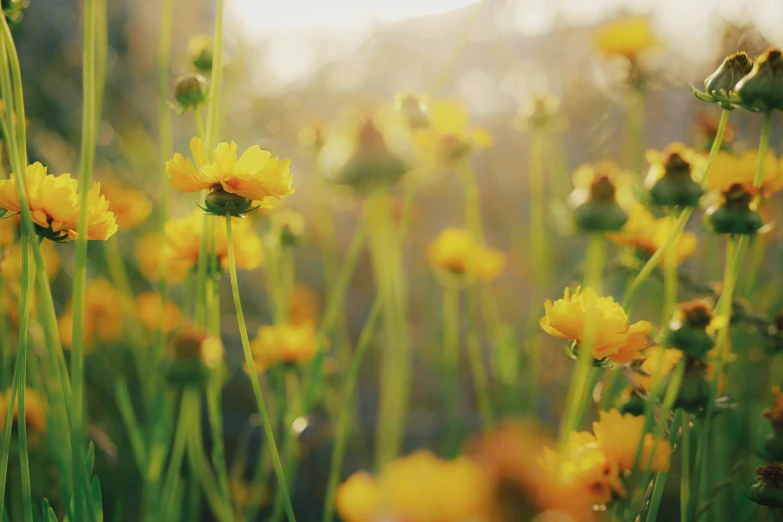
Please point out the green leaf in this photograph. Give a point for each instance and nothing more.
(90, 458)
(48, 512)
(97, 497)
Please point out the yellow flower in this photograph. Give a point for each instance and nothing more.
(11, 264)
(614, 337)
(625, 37)
(152, 315)
(619, 436)
(150, 255)
(54, 205)
(449, 135)
(584, 467)
(131, 207)
(303, 307)
(729, 169)
(659, 159)
(516, 462)
(647, 234)
(183, 241)
(651, 366)
(455, 251)
(34, 411)
(417, 488)
(256, 175)
(103, 317)
(285, 343)
(357, 499)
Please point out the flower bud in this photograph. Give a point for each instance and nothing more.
(190, 91)
(676, 188)
(372, 166)
(200, 52)
(768, 489)
(761, 90)
(695, 392)
(600, 213)
(734, 214)
(719, 86)
(289, 226)
(688, 328)
(14, 11)
(218, 202)
(195, 356)
(413, 108)
(541, 112)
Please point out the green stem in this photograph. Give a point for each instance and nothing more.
(261, 403)
(343, 421)
(539, 263)
(685, 473)
(450, 355)
(576, 392)
(395, 362)
(660, 477)
(174, 466)
(655, 259)
(670, 274)
(216, 79)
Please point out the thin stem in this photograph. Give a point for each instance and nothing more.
(685, 473)
(593, 279)
(198, 122)
(660, 477)
(450, 354)
(670, 273)
(174, 467)
(343, 421)
(539, 263)
(261, 403)
(216, 79)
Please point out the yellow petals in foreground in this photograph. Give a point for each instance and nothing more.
(34, 411)
(153, 314)
(626, 37)
(730, 169)
(619, 435)
(54, 205)
(103, 316)
(648, 234)
(613, 337)
(417, 488)
(183, 241)
(131, 207)
(455, 251)
(256, 175)
(285, 343)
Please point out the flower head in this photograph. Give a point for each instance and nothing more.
(648, 234)
(154, 314)
(619, 436)
(730, 169)
(761, 90)
(200, 52)
(625, 37)
(414, 108)
(455, 251)
(417, 488)
(131, 207)
(183, 242)
(449, 136)
(614, 336)
(286, 343)
(674, 175)
(595, 198)
(194, 355)
(103, 315)
(736, 212)
(303, 307)
(54, 205)
(152, 257)
(34, 411)
(719, 86)
(256, 178)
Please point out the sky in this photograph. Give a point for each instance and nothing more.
(299, 34)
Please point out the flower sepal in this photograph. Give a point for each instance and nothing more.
(768, 489)
(735, 215)
(761, 90)
(221, 203)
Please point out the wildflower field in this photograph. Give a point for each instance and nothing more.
(388, 299)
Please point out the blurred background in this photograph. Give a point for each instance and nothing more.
(297, 64)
